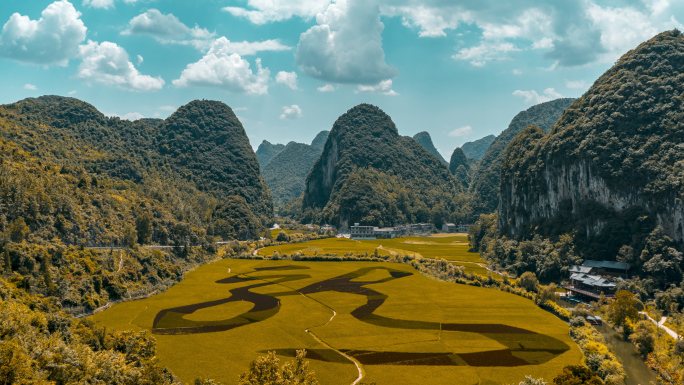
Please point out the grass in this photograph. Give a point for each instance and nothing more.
(424, 331)
(274, 232)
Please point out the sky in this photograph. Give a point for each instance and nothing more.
(460, 70)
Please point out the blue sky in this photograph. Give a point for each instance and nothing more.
(458, 69)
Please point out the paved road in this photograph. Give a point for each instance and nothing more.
(661, 324)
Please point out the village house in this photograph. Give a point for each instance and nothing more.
(449, 228)
(593, 278)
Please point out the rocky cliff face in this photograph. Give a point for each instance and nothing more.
(613, 165)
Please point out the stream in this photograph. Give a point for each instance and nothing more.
(637, 371)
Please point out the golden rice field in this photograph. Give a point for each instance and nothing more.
(452, 247)
(399, 326)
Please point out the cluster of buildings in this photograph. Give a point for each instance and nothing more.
(593, 278)
(371, 232)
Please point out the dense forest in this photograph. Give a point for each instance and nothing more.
(477, 149)
(606, 181)
(484, 188)
(425, 140)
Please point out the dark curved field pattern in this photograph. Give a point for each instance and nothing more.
(385, 316)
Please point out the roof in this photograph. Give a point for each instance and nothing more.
(592, 280)
(607, 264)
(580, 269)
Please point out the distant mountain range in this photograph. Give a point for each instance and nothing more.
(426, 141)
(477, 148)
(285, 173)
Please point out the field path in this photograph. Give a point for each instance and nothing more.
(359, 367)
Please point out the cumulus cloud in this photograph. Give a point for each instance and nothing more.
(384, 87)
(30, 87)
(291, 113)
(264, 11)
(51, 40)
(73, 92)
(461, 131)
(287, 78)
(574, 33)
(104, 4)
(487, 51)
(169, 29)
(345, 46)
(326, 88)
(132, 116)
(532, 97)
(109, 64)
(576, 84)
(223, 68)
(517, 72)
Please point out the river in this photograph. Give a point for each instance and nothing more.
(637, 371)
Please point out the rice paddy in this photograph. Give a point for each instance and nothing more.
(452, 247)
(397, 324)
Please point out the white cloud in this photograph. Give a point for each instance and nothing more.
(167, 108)
(132, 116)
(73, 92)
(240, 109)
(576, 84)
(140, 59)
(486, 51)
(384, 87)
(52, 39)
(246, 48)
(222, 68)
(432, 21)
(30, 87)
(517, 72)
(532, 97)
(264, 11)
(326, 88)
(291, 113)
(543, 43)
(345, 46)
(461, 131)
(287, 78)
(168, 29)
(109, 64)
(104, 4)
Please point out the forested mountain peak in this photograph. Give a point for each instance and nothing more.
(207, 140)
(476, 149)
(365, 154)
(425, 140)
(59, 111)
(319, 140)
(485, 182)
(613, 160)
(267, 151)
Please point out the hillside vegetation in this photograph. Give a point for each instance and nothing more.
(611, 169)
(369, 173)
(476, 149)
(484, 187)
(426, 141)
(285, 174)
(266, 151)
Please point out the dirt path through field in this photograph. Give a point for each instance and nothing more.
(359, 367)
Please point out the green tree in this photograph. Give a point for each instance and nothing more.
(623, 309)
(130, 235)
(644, 337)
(143, 225)
(266, 370)
(8, 261)
(577, 375)
(528, 281)
(18, 229)
(282, 237)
